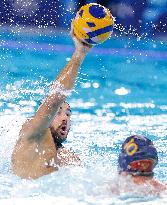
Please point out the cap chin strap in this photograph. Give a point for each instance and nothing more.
(137, 173)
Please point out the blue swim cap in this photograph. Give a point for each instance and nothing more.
(136, 148)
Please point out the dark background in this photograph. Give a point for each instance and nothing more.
(146, 16)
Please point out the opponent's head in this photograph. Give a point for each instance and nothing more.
(61, 124)
(138, 156)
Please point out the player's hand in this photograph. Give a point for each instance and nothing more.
(80, 46)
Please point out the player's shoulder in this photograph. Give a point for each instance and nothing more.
(159, 185)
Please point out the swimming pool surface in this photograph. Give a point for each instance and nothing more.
(121, 90)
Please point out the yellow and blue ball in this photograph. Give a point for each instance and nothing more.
(93, 24)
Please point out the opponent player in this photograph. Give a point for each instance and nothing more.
(138, 158)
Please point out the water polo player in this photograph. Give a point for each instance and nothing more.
(36, 153)
(138, 158)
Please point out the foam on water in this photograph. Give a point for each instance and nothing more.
(96, 136)
(97, 182)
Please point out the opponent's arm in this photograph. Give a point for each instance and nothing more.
(35, 128)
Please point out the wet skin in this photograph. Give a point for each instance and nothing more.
(34, 158)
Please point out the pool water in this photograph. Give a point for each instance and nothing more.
(120, 90)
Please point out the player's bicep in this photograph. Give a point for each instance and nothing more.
(33, 129)
(37, 126)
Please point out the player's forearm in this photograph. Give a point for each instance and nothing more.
(64, 83)
(68, 75)
(59, 90)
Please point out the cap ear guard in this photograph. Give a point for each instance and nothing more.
(144, 165)
(136, 148)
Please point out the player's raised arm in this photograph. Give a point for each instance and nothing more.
(36, 127)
